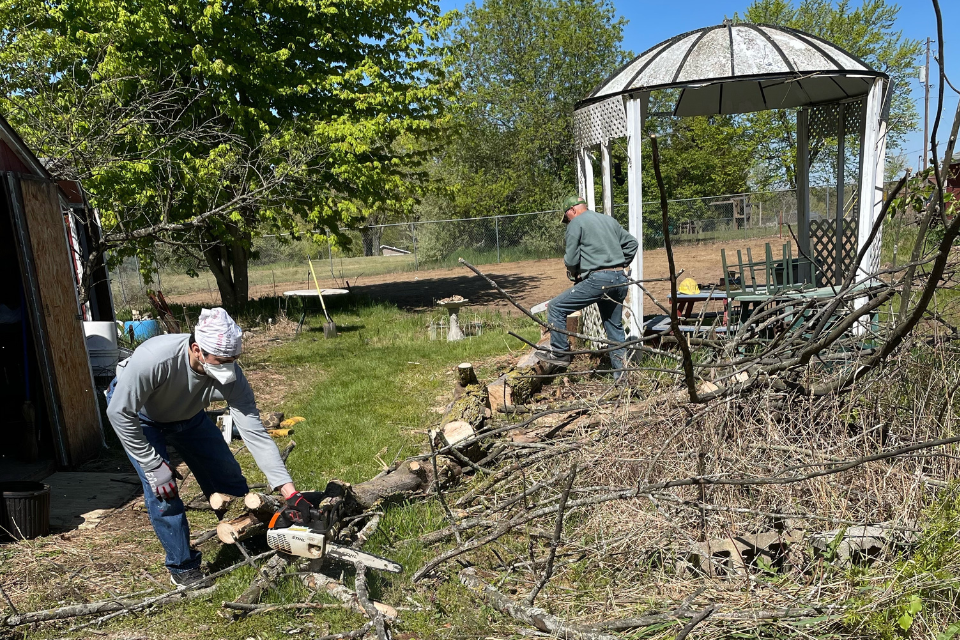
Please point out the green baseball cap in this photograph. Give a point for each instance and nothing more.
(568, 202)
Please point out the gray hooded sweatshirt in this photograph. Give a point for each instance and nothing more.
(158, 382)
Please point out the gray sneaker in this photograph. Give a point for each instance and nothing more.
(192, 578)
(551, 357)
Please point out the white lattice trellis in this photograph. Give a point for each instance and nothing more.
(600, 122)
(825, 126)
(592, 325)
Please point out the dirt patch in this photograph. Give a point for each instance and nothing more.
(271, 384)
(530, 282)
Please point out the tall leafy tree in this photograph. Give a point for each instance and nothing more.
(524, 64)
(867, 31)
(198, 124)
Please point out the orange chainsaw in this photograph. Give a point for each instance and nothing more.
(312, 540)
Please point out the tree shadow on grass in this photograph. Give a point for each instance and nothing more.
(316, 325)
(418, 295)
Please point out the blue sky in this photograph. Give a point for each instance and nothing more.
(652, 21)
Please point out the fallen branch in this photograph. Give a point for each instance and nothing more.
(203, 537)
(266, 577)
(625, 493)
(118, 605)
(558, 531)
(103, 606)
(348, 635)
(533, 616)
(264, 608)
(375, 615)
(697, 619)
(338, 591)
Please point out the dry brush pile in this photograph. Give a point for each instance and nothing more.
(792, 477)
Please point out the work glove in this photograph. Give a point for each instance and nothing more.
(298, 509)
(573, 274)
(162, 481)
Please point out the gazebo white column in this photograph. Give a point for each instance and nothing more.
(874, 152)
(590, 192)
(606, 168)
(636, 110)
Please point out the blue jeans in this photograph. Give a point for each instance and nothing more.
(202, 447)
(606, 288)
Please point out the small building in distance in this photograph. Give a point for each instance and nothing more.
(387, 250)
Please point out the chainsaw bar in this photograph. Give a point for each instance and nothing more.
(369, 560)
(301, 541)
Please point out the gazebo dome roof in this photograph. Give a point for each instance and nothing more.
(738, 68)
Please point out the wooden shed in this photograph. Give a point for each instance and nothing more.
(51, 415)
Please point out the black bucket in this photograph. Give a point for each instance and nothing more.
(24, 510)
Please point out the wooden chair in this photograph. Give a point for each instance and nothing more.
(767, 278)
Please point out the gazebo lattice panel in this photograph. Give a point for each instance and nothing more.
(823, 238)
(825, 126)
(592, 325)
(600, 122)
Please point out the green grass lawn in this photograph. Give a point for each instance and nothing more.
(372, 388)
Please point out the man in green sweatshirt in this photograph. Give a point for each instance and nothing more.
(597, 251)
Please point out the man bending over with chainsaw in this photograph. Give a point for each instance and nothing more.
(159, 397)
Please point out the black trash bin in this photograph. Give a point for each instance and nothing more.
(24, 510)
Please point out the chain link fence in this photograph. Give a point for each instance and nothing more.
(280, 263)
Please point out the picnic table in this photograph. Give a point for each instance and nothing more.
(685, 301)
(746, 300)
(309, 294)
(790, 298)
(685, 310)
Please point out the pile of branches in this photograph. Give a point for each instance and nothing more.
(806, 442)
(751, 507)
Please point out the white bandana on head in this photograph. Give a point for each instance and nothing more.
(217, 333)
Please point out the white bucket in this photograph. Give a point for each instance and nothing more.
(101, 336)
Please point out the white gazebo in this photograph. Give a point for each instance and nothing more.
(741, 68)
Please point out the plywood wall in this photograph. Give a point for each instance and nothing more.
(80, 415)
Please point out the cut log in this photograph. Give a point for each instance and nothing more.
(573, 326)
(454, 432)
(221, 501)
(500, 394)
(229, 531)
(466, 375)
(469, 407)
(320, 582)
(411, 477)
(514, 387)
(262, 504)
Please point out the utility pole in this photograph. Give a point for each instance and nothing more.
(926, 105)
